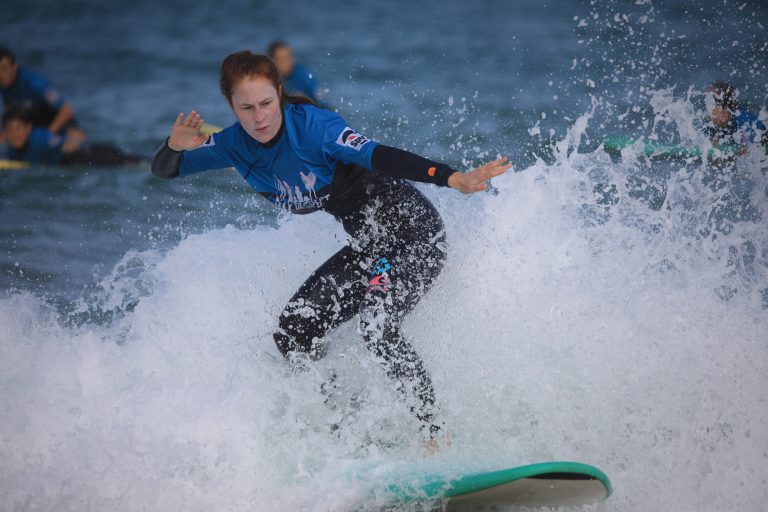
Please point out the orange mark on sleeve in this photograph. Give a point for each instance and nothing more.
(431, 171)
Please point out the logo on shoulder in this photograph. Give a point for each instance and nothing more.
(351, 139)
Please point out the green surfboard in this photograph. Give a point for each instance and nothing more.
(547, 484)
(651, 149)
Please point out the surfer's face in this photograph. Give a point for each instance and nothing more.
(256, 103)
(17, 132)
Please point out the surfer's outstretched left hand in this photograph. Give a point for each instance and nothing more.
(475, 180)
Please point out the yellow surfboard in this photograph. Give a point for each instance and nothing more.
(210, 128)
(13, 165)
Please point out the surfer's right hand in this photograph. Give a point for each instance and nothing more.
(185, 133)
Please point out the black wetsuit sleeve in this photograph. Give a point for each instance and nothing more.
(403, 164)
(166, 162)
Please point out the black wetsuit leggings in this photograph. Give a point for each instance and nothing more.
(99, 155)
(396, 251)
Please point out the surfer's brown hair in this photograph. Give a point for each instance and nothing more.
(245, 64)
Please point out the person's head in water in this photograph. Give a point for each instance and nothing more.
(724, 104)
(251, 84)
(282, 55)
(8, 67)
(17, 125)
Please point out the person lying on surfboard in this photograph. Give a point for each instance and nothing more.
(25, 143)
(305, 159)
(32, 91)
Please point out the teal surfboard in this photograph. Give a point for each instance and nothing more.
(547, 484)
(651, 149)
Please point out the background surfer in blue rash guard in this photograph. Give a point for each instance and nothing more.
(296, 79)
(731, 122)
(33, 92)
(305, 159)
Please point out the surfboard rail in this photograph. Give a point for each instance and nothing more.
(541, 484)
(654, 149)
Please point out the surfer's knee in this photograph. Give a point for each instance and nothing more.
(297, 333)
(380, 331)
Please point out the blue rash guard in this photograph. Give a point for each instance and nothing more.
(301, 81)
(315, 162)
(42, 147)
(34, 93)
(748, 123)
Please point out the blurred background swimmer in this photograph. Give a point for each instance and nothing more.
(33, 92)
(296, 78)
(27, 143)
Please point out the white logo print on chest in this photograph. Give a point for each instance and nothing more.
(293, 198)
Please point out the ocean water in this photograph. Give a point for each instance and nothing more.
(610, 310)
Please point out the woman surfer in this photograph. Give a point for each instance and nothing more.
(304, 159)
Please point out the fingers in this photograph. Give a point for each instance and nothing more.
(193, 120)
(476, 179)
(492, 169)
(498, 167)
